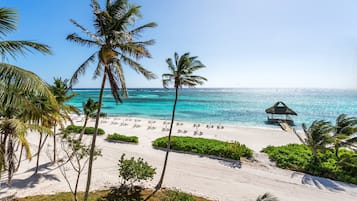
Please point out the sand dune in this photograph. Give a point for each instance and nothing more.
(212, 178)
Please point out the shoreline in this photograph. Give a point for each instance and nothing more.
(200, 175)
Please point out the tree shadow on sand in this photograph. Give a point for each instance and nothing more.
(45, 166)
(31, 181)
(230, 163)
(322, 183)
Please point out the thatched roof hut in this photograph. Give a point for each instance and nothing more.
(280, 108)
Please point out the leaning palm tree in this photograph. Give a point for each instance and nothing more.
(13, 76)
(61, 91)
(89, 108)
(181, 74)
(116, 45)
(343, 132)
(318, 135)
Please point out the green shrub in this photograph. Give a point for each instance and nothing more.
(132, 171)
(123, 138)
(222, 149)
(299, 158)
(78, 129)
(175, 195)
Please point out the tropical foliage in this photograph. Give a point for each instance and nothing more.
(87, 130)
(18, 114)
(343, 132)
(123, 138)
(231, 150)
(317, 136)
(300, 158)
(115, 41)
(89, 108)
(132, 171)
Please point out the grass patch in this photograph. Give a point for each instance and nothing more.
(111, 195)
(78, 129)
(299, 158)
(231, 150)
(123, 138)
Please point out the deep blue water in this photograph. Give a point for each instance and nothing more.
(245, 107)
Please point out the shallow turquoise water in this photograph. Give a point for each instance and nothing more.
(245, 107)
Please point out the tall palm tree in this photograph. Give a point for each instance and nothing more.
(89, 108)
(116, 46)
(318, 135)
(344, 129)
(14, 83)
(181, 74)
(61, 91)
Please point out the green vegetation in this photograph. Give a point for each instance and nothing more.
(87, 130)
(90, 107)
(231, 150)
(300, 158)
(132, 171)
(18, 112)
(175, 195)
(123, 138)
(104, 195)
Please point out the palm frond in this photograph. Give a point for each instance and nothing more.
(87, 32)
(85, 42)
(138, 68)
(8, 18)
(98, 71)
(82, 69)
(22, 80)
(139, 29)
(120, 74)
(15, 47)
(113, 85)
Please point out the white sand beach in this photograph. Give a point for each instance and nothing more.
(201, 175)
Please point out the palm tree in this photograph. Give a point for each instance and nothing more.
(345, 127)
(44, 114)
(116, 46)
(61, 90)
(89, 108)
(317, 136)
(13, 76)
(14, 83)
(181, 74)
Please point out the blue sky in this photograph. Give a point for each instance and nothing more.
(243, 43)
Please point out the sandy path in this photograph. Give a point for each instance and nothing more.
(212, 178)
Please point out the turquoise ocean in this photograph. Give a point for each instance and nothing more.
(243, 107)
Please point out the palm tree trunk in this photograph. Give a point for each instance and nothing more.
(159, 184)
(91, 153)
(38, 154)
(20, 157)
(54, 144)
(83, 129)
(336, 150)
(10, 159)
